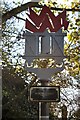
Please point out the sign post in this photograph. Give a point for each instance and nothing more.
(43, 111)
(42, 44)
(43, 106)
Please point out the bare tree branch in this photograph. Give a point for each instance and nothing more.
(23, 7)
(17, 10)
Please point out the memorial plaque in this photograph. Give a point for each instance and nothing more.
(45, 94)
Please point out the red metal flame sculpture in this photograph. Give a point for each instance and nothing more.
(46, 19)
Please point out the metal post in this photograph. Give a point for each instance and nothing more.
(43, 106)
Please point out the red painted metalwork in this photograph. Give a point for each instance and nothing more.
(46, 19)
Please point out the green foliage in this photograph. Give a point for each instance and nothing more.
(72, 49)
(15, 97)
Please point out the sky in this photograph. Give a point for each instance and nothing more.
(59, 1)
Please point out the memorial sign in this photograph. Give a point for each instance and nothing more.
(44, 39)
